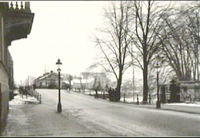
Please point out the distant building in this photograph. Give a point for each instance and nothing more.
(48, 80)
(180, 91)
(15, 23)
(189, 89)
(87, 80)
(78, 84)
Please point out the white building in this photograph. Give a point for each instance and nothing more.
(48, 80)
(88, 80)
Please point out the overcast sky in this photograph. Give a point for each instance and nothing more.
(62, 29)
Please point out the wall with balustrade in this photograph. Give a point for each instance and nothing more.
(14, 16)
(4, 87)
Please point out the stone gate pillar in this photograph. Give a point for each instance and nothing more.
(163, 94)
(174, 92)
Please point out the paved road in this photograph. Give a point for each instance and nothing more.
(86, 116)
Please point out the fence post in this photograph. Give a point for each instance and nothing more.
(104, 95)
(40, 99)
(124, 97)
(149, 99)
(137, 99)
(26, 94)
(22, 93)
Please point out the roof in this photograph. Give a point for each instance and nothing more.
(46, 75)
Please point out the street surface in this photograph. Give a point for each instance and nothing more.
(84, 115)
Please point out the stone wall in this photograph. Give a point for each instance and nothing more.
(15, 23)
(4, 96)
(4, 86)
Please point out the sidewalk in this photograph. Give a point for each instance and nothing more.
(27, 117)
(182, 107)
(193, 108)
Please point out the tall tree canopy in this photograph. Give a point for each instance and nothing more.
(115, 41)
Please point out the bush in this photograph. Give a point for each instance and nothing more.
(112, 95)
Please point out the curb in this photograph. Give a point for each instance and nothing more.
(151, 106)
(164, 108)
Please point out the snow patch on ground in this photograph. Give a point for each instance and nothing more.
(16, 101)
(185, 104)
(153, 101)
(134, 99)
(19, 100)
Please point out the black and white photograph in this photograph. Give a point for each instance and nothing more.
(124, 68)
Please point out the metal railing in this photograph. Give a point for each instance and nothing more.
(36, 95)
(31, 92)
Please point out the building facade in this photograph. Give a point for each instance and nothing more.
(180, 91)
(15, 23)
(48, 80)
(90, 80)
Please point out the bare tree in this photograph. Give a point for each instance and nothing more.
(180, 41)
(97, 86)
(82, 85)
(116, 42)
(165, 74)
(69, 77)
(147, 23)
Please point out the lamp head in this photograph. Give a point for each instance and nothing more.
(59, 70)
(58, 63)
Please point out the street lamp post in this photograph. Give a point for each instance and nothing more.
(158, 105)
(59, 107)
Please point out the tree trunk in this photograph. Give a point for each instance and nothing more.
(118, 89)
(70, 85)
(145, 83)
(118, 93)
(96, 95)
